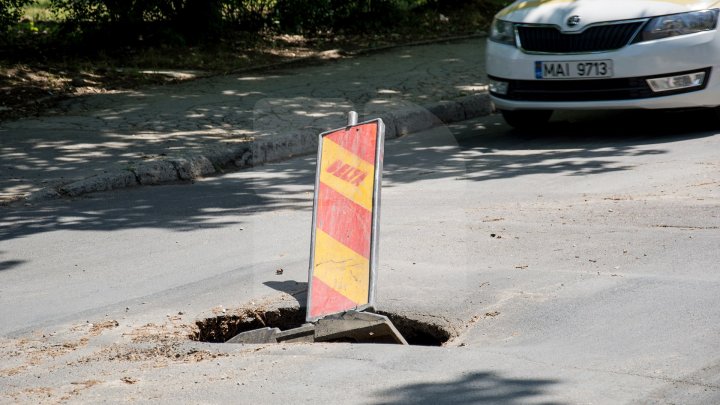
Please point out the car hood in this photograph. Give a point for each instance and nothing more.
(557, 12)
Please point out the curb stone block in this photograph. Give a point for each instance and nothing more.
(193, 167)
(102, 182)
(157, 172)
(282, 147)
(390, 126)
(244, 160)
(226, 154)
(478, 105)
(43, 195)
(412, 120)
(448, 111)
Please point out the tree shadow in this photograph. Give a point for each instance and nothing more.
(574, 144)
(474, 388)
(8, 264)
(213, 203)
(479, 150)
(117, 131)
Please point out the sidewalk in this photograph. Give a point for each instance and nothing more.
(180, 132)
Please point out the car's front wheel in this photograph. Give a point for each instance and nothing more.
(526, 119)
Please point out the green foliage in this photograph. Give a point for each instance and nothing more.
(38, 10)
(301, 15)
(114, 11)
(127, 21)
(117, 24)
(10, 12)
(304, 16)
(484, 6)
(249, 15)
(203, 17)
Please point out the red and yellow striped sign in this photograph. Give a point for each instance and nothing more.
(345, 219)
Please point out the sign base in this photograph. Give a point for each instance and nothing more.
(350, 326)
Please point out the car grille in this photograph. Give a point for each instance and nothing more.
(630, 88)
(594, 39)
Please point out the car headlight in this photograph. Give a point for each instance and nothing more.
(502, 32)
(679, 24)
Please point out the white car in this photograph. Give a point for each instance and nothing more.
(546, 55)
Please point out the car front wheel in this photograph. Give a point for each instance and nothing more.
(526, 119)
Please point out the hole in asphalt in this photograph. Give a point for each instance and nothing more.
(418, 333)
(222, 328)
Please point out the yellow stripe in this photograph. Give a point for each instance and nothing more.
(361, 194)
(341, 268)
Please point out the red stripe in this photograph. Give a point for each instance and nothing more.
(324, 300)
(344, 220)
(360, 141)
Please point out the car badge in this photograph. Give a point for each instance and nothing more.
(573, 21)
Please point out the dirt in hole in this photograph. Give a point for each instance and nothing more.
(223, 328)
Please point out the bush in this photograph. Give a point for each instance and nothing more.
(310, 16)
(117, 24)
(195, 18)
(10, 12)
(249, 15)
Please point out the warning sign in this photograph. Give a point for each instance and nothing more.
(345, 219)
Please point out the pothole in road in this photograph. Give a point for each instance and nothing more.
(222, 328)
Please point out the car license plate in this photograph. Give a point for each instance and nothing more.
(578, 69)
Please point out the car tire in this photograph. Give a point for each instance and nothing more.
(527, 119)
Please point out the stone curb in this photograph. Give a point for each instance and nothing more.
(220, 158)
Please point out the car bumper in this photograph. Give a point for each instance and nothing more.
(634, 63)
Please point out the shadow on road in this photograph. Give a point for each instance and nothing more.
(477, 150)
(475, 388)
(297, 289)
(120, 130)
(214, 203)
(574, 144)
(8, 264)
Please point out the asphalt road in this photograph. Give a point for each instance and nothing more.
(574, 265)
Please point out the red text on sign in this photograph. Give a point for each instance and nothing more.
(346, 172)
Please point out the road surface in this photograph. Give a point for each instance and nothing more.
(574, 265)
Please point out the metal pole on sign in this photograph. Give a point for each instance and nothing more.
(352, 118)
